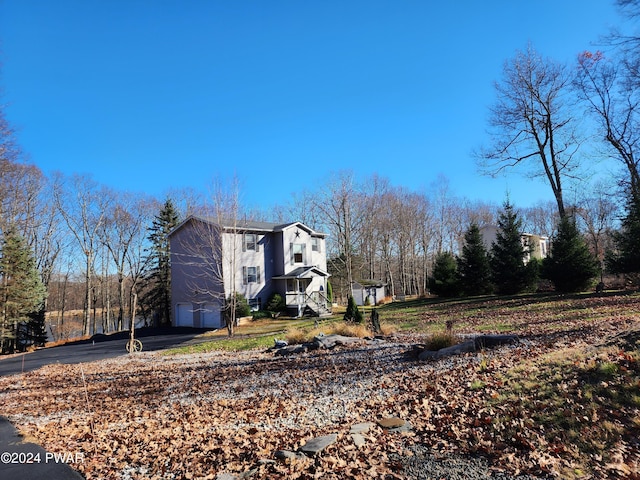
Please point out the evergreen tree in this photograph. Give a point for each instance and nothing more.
(353, 314)
(445, 281)
(571, 267)
(159, 278)
(508, 270)
(626, 258)
(473, 265)
(22, 293)
(329, 292)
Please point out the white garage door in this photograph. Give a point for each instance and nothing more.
(184, 315)
(211, 317)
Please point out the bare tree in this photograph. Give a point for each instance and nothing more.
(123, 232)
(82, 204)
(539, 219)
(598, 214)
(531, 121)
(339, 205)
(615, 103)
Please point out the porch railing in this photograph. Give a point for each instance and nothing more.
(317, 301)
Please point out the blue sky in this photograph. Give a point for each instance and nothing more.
(147, 95)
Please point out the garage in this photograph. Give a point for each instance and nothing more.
(184, 315)
(210, 316)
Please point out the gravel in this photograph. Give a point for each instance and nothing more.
(423, 465)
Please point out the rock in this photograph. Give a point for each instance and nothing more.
(358, 440)
(361, 427)
(478, 343)
(290, 350)
(287, 455)
(331, 341)
(488, 341)
(317, 445)
(226, 476)
(391, 422)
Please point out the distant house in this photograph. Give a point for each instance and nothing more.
(368, 292)
(210, 260)
(536, 246)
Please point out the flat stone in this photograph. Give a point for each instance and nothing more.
(358, 440)
(287, 455)
(316, 445)
(361, 427)
(391, 422)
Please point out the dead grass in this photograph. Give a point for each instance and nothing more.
(298, 335)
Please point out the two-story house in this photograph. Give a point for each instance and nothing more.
(210, 260)
(536, 246)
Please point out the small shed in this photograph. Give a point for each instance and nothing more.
(369, 292)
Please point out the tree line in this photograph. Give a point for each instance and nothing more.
(75, 253)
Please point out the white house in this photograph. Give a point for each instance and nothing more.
(536, 246)
(211, 260)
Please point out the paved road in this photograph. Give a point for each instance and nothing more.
(24, 460)
(103, 346)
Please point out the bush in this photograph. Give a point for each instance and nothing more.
(276, 303)
(242, 306)
(353, 314)
(438, 341)
(260, 314)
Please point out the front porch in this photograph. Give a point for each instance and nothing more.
(304, 290)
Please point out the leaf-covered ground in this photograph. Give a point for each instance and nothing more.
(564, 401)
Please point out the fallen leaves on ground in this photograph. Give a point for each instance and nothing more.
(564, 401)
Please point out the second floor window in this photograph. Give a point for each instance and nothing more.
(250, 242)
(315, 244)
(297, 253)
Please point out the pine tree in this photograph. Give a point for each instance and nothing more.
(445, 281)
(159, 278)
(509, 272)
(571, 267)
(473, 264)
(22, 292)
(626, 258)
(352, 314)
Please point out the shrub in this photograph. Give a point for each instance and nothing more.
(242, 306)
(260, 314)
(438, 341)
(353, 314)
(276, 303)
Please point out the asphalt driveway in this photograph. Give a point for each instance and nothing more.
(99, 348)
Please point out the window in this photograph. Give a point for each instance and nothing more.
(297, 253)
(250, 242)
(315, 244)
(250, 275)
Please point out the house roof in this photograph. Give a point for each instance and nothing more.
(303, 272)
(244, 225)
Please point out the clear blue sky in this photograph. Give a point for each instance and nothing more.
(147, 95)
